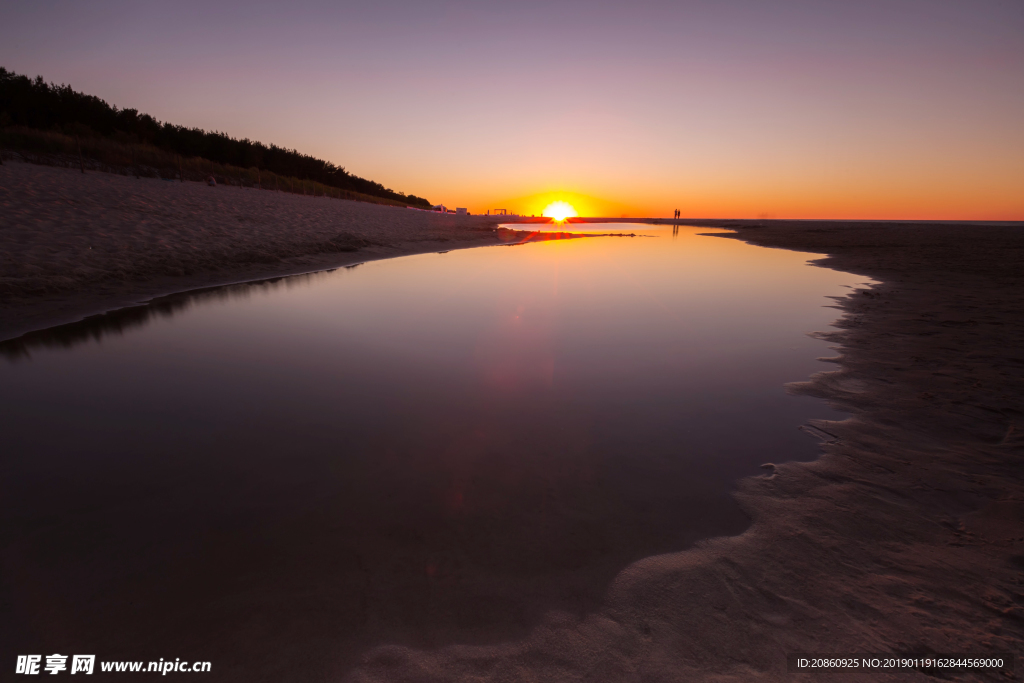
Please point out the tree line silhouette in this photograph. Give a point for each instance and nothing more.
(34, 103)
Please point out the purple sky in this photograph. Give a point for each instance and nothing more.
(901, 108)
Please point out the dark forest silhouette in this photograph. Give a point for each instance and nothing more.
(36, 104)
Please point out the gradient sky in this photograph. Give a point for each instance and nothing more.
(731, 108)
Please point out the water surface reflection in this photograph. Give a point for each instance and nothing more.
(434, 449)
(122, 320)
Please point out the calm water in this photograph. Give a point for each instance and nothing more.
(433, 449)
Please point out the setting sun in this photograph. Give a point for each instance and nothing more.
(560, 211)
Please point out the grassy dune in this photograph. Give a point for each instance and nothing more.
(52, 148)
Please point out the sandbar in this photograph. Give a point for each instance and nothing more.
(74, 245)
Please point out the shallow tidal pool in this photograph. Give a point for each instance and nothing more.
(435, 449)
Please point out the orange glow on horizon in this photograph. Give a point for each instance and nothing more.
(559, 211)
(921, 198)
(578, 204)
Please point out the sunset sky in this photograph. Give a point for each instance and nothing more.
(719, 108)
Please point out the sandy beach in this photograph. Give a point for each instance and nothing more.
(73, 245)
(907, 535)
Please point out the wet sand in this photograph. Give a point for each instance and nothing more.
(907, 535)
